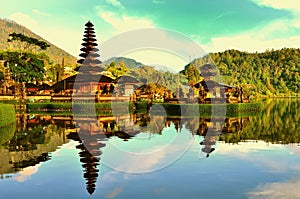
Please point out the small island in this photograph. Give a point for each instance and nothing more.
(92, 81)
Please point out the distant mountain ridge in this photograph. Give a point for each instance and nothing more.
(130, 63)
(56, 54)
(134, 64)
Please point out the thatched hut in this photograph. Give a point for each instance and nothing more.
(87, 83)
(126, 85)
(212, 89)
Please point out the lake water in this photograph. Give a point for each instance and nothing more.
(145, 156)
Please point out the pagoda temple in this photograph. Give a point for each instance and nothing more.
(92, 135)
(89, 81)
(211, 90)
(89, 155)
(89, 61)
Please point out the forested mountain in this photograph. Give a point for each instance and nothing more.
(130, 63)
(148, 74)
(273, 72)
(56, 54)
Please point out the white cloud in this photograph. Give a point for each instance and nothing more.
(38, 12)
(26, 173)
(286, 4)
(143, 160)
(245, 147)
(24, 20)
(294, 149)
(259, 39)
(252, 152)
(153, 46)
(115, 3)
(158, 1)
(277, 34)
(125, 23)
(250, 44)
(115, 192)
(279, 190)
(159, 57)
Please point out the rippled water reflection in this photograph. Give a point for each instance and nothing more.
(247, 157)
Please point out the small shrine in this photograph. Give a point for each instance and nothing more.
(126, 85)
(209, 89)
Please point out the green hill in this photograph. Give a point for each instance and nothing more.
(148, 74)
(130, 63)
(56, 54)
(271, 73)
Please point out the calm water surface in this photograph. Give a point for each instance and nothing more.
(144, 156)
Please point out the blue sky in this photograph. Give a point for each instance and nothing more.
(216, 25)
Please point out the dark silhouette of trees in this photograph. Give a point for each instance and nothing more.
(26, 43)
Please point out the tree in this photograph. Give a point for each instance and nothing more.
(117, 70)
(55, 72)
(25, 68)
(151, 89)
(27, 43)
(192, 73)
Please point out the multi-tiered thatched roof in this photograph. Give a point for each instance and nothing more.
(90, 58)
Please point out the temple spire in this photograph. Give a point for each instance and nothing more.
(89, 52)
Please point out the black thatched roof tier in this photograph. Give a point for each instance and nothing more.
(89, 35)
(89, 49)
(208, 70)
(89, 44)
(211, 84)
(31, 85)
(89, 39)
(89, 24)
(80, 78)
(89, 31)
(207, 67)
(89, 68)
(208, 74)
(89, 61)
(44, 86)
(89, 54)
(207, 84)
(126, 80)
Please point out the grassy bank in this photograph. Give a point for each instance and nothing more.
(228, 110)
(8, 102)
(7, 133)
(7, 114)
(80, 108)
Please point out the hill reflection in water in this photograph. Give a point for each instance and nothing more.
(36, 136)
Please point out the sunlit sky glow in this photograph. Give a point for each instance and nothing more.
(248, 25)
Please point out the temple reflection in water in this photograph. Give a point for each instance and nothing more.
(34, 137)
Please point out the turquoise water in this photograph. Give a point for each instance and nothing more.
(140, 156)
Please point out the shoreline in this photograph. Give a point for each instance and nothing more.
(206, 110)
